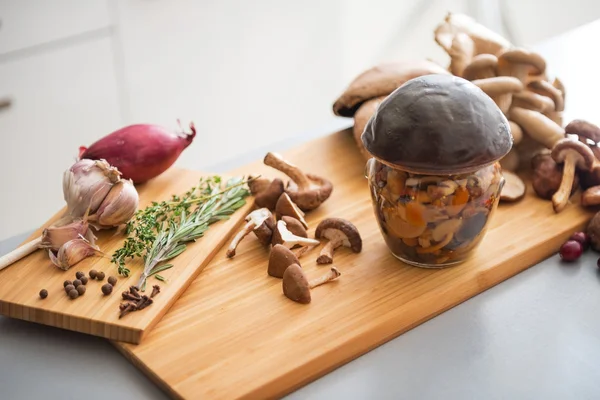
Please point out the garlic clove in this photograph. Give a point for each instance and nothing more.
(72, 252)
(118, 206)
(56, 236)
(86, 184)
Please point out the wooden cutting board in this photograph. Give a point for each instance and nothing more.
(94, 313)
(234, 335)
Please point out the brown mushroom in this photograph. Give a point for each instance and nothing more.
(593, 231)
(547, 175)
(261, 222)
(297, 287)
(286, 207)
(516, 132)
(555, 116)
(381, 80)
(585, 131)
(537, 126)
(533, 101)
(292, 225)
(510, 162)
(572, 155)
(308, 191)
(289, 240)
(257, 184)
(501, 89)
(362, 116)
(545, 88)
(482, 66)
(521, 64)
(280, 258)
(267, 196)
(557, 83)
(591, 197)
(513, 189)
(340, 233)
(590, 178)
(461, 53)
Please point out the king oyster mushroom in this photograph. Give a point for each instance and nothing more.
(297, 287)
(340, 232)
(307, 191)
(573, 155)
(261, 222)
(279, 259)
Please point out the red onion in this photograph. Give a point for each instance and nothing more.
(140, 152)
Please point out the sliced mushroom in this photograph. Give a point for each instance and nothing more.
(482, 66)
(591, 197)
(280, 258)
(261, 222)
(521, 64)
(308, 191)
(400, 228)
(537, 126)
(514, 188)
(297, 287)
(545, 88)
(362, 116)
(533, 101)
(501, 89)
(340, 232)
(289, 240)
(572, 155)
(292, 225)
(516, 132)
(381, 81)
(461, 53)
(286, 207)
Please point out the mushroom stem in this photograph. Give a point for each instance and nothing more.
(275, 160)
(299, 252)
(539, 127)
(250, 225)
(332, 274)
(561, 197)
(326, 255)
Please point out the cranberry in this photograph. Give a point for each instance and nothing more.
(571, 250)
(582, 238)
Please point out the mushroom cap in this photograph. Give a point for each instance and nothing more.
(295, 285)
(522, 56)
(362, 116)
(584, 157)
(332, 228)
(257, 184)
(438, 124)
(279, 259)
(286, 207)
(268, 196)
(498, 85)
(584, 129)
(480, 64)
(547, 175)
(312, 197)
(293, 225)
(591, 197)
(381, 80)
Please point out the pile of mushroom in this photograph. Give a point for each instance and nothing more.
(279, 224)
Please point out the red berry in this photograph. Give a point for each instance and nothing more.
(571, 250)
(582, 238)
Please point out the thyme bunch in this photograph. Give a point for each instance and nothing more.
(159, 232)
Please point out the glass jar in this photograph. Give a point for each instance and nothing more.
(433, 221)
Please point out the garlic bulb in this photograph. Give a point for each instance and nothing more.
(86, 184)
(73, 252)
(118, 206)
(54, 237)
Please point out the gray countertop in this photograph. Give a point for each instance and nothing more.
(534, 336)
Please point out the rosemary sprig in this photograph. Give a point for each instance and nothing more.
(160, 232)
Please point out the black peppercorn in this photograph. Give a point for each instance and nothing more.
(100, 276)
(65, 283)
(84, 280)
(73, 294)
(112, 280)
(107, 289)
(76, 283)
(43, 293)
(79, 274)
(68, 288)
(81, 290)
(93, 274)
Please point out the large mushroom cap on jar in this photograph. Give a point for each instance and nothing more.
(438, 124)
